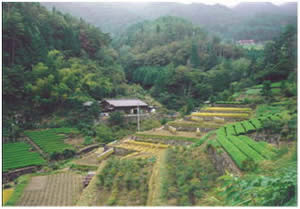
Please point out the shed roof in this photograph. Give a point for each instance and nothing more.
(125, 102)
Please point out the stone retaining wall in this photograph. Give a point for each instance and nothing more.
(222, 161)
(12, 175)
(163, 141)
(88, 149)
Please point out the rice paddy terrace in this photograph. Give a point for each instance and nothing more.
(142, 169)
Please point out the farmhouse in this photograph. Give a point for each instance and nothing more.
(128, 106)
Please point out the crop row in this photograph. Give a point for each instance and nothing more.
(261, 149)
(49, 140)
(183, 138)
(247, 126)
(227, 109)
(224, 115)
(244, 147)
(17, 155)
(238, 157)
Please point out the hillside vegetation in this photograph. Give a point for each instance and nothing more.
(223, 124)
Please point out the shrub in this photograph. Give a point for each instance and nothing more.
(104, 134)
(117, 118)
(149, 124)
(88, 140)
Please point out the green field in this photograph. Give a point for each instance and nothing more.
(18, 155)
(51, 140)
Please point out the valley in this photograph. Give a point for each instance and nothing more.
(167, 109)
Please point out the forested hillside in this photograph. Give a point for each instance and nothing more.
(53, 61)
(257, 20)
(182, 65)
(168, 111)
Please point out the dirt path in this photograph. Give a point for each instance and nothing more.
(36, 147)
(88, 196)
(155, 182)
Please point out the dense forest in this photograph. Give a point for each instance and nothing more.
(220, 123)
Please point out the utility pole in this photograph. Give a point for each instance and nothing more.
(138, 118)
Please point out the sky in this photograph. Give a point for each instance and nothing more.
(229, 3)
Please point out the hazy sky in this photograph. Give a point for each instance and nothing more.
(229, 3)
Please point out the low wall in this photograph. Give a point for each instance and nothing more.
(193, 129)
(12, 175)
(226, 119)
(222, 161)
(163, 141)
(121, 151)
(88, 149)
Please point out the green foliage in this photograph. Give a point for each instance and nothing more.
(242, 161)
(239, 128)
(203, 139)
(19, 155)
(272, 126)
(247, 150)
(83, 168)
(150, 124)
(54, 61)
(279, 189)
(104, 134)
(22, 182)
(88, 140)
(126, 176)
(187, 178)
(258, 147)
(116, 118)
(51, 140)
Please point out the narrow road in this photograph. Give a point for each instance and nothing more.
(36, 147)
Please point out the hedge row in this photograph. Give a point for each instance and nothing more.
(244, 147)
(238, 157)
(261, 149)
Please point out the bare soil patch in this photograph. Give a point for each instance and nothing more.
(76, 141)
(61, 189)
(36, 183)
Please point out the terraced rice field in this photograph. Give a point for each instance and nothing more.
(6, 194)
(144, 147)
(90, 158)
(19, 155)
(61, 189)
(221, 115)
(227, 109)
